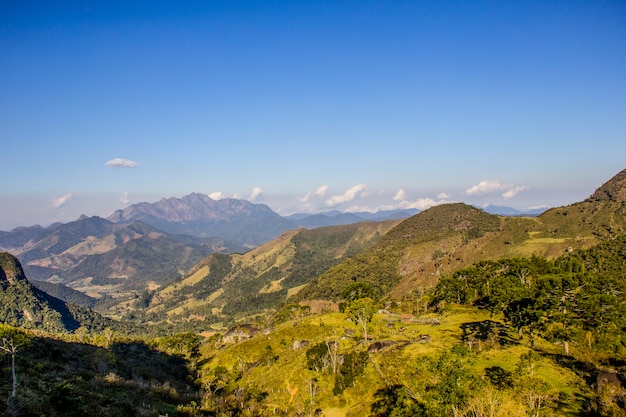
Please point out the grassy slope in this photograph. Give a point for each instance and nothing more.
(242, 284)
(436, 242)
(286, 379)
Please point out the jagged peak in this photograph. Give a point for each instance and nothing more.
(613, 190)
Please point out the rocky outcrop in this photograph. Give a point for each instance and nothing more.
(239, 333)
(613, 190)
(11, 270)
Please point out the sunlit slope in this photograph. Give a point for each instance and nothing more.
(230, 286)
(417, 252)
(321, 362)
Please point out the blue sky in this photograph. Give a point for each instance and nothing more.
(307, 106)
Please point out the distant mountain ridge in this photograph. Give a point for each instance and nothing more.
(337, 218)
(240, 221)
(407, 259)
(199, 215)
(509, 211)
(148, 245)
(95, 255)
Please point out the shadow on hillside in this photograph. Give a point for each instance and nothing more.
(58, 378)
(585, 370)
(69, 322)
(486, 330)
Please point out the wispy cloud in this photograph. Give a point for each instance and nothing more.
(320, 192)
(487, 187)
(400, 195)
(514, 191)
(216, 195)
(257, 192)
(484, 187)
(359, 190)
(60, 201)
(121, 163)
(443, 196)
(124, 198)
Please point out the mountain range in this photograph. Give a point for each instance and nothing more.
(148, 245)
(416, 316)
(104, 258)
(124, 258)
(394, 258)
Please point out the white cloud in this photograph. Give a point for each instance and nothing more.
(542, 206)
(350, 194)
(320, 192)
(514, 191)
(256, 193)
(121, 163)
(60, 201)
(420, 204)
(424, 203)
(483, 187)
(400, 195)
(216, 195)
(124, 198)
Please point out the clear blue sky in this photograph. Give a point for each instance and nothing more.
(307, 106)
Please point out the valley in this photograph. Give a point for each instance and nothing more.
(449, 311)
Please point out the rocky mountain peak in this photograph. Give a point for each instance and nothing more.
(613, 190)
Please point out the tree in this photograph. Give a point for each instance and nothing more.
(108, 335)
(362, 311)
(522, 313)
(11, 340)
(531, 389)
(184, 344)
(81, 333)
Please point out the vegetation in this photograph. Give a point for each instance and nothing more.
(453, 312)
(230, 287)
(58, 376)
(379, 267)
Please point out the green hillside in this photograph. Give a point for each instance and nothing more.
(97, 374)
(23, 305)
(225, 288)
(413, 256)
(393, 261)
(452, 312)
(462, 354)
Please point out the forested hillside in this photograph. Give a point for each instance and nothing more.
(452, 312)
(518, 336)
(227, 288)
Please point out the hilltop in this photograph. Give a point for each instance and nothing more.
(23, 305)
(453, 310)
(394, 261)
(226, 287)
(101, 258)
